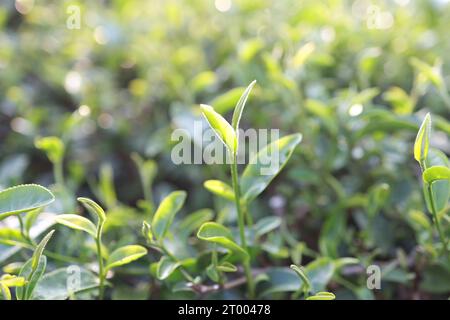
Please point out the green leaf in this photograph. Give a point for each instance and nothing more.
(5, 291)
(39, 250)
(436, 173)
(212, 273)
(221, 127)
(163, 217)
(52, 146)
(279, 280)
(32, 276)
(63, 283)
(125, 255)
(220, 188)
(77, 222)
(322, 296)
(257, 175)
(12, 281)
(439, 188)
(237, 114)
(194, 220)
(422, 143)
(267, 224)
(23, 198)
(166, 267)
(320, 272)
(430, 73)
(217, 233)
(227, 101)
(227, 267)
(93, 208)
(299, 271)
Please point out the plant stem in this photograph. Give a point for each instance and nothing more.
(101, 272)
(436, 220)
(182, 269)
(241, 222)
(22, 230)
(58, 173)
(215, 262)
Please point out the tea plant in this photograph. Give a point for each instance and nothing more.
(243, 190)
(118, 257)
(436, 179)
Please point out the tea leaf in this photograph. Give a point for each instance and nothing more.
(125, 255)
(299, 271)
(217, 233)
(77, 222)
(56, 285)
(422, 142)
(23, 198)
(322, 296)
(436, 173)
(220, 188)
(93, 208)
(52, 146)
(221, 127)
(237, 114)
(166, 267)
(439, 188)
(12, 281)
(32, 276)
(267, 224)
(163, 217)
(228, 100)
(261, 170)
(227, 267)
(5, 291)
(39, 250)
(194, 220)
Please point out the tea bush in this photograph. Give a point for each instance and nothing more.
(90, 113)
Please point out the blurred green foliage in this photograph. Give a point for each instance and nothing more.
(354, 77)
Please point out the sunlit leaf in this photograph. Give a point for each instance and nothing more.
(322, 296)
(422, 142)
(125, 255)
(436, 173)
(217, 233)
(267, 163)
(221, 127)
(220, 188)
(23, 198)
(237, 114)
(77, 222)
(163, 218)
(39, 250)
(52, 146)
(93, 208)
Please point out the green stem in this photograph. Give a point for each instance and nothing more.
(182, 269)
(22, 230)
(101, 272)
(435, 217)
(215, 263)
(241, 222)
(58, 173)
